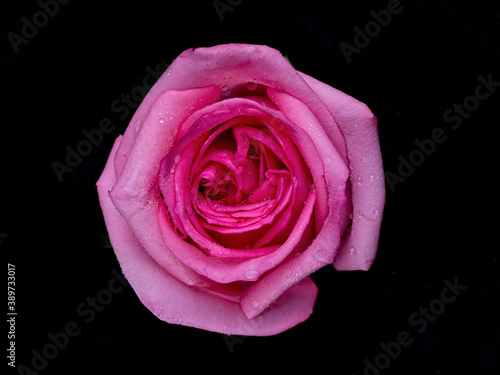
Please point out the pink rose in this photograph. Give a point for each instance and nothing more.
(237, 178)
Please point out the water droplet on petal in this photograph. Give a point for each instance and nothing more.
(352, 251)
(177, 159)
(251, 85)
(161, 121)
(375, 213)
(251, 274)
(322, 256)
(328, 161)
(255, 304)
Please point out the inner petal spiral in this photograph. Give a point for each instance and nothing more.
(241, 181)
(245, 189)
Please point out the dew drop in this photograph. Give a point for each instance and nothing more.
(321, 256)
(251, 85)
(328, 161)
(251, 274)
(161, 121)
(352, 251)
(255, 304)
(158, 311)
(376, 212)
(371, 177)
(177, 159)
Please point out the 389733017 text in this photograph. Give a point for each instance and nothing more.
(11, 314)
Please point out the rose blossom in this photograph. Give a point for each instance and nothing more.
(238, 177)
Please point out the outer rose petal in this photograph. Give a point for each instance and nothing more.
(230, 65)
(135, 193)
(175, 302)
(324, 247)
(359, 127)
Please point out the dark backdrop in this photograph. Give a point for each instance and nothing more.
(440, 221)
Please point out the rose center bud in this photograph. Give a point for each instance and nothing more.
(245, 187)
(242, 184)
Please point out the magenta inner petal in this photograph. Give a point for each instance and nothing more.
(235, 187)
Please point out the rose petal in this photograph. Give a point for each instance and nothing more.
(116, 229)
(135, 193)
(335, 174)
(230, 66)
(359, 127)
(320, 253)
(329, 166)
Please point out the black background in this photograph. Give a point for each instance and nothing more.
(440, 223)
